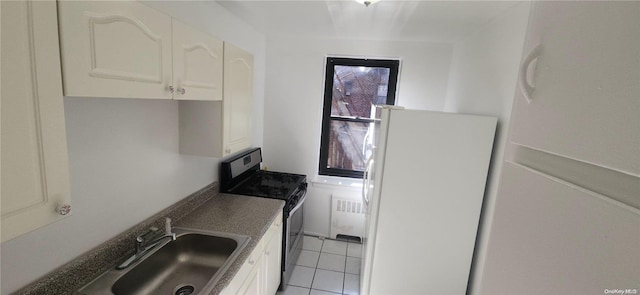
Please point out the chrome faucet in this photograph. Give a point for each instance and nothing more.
(147, 242)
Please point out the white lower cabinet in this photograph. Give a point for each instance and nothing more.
(260, 273)
(254, 283)
(272, 260)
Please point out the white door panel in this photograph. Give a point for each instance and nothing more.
(115, 49)
(35, 172)
(550, 237)
(197, 64)
(586, 100)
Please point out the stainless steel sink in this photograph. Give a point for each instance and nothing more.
(192, 264)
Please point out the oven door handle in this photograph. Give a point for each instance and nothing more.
(300, 202)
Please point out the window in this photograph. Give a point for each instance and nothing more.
(352, 89)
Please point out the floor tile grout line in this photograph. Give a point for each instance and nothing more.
(344, 268)
(344, 272)
(329, 271)
(315, 270)
(326, 291)
(344, 278)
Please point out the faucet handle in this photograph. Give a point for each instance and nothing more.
(167, 229)
(167, 225)
(151, 232)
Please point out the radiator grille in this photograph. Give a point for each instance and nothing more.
(349, 206)
(347, 216)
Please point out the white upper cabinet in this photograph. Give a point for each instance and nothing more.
(115, 49)
(238, 98)
(583, 83)
(129, 50)
(197, 64)
(35, 172)
(220, 129)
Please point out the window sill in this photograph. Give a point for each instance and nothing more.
(333, 182)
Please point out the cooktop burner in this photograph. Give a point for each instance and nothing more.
(269, 184)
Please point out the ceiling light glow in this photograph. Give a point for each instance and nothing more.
(367, 2)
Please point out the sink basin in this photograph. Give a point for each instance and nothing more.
(192, 264)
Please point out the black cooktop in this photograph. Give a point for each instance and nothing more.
(269, 184)
(241, 175)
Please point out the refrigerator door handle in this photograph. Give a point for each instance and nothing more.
(366, 181)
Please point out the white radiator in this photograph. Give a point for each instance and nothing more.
(347, 215)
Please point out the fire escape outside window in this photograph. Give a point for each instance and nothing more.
(352, 89)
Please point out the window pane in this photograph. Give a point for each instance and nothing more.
(348, 142)
(356, 89)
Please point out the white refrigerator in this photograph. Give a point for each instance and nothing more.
(423, 191)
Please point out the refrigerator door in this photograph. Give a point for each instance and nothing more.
(371, 193)
(428, 185)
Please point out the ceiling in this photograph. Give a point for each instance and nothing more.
(436, 21)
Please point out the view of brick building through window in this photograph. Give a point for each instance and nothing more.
(355, 90)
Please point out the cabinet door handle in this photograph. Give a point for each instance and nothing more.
(64, 209)
(171, 89)
(526, 87)
(182, 90)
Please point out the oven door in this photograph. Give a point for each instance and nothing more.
(293, 238)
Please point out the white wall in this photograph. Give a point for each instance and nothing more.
(294, 95)
(483, 79)
(124, 161)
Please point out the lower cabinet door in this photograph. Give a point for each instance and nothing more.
(253, 284)
(272, 263)
(260, 274)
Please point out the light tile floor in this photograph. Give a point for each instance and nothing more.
(326, 267)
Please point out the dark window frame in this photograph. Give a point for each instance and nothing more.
(392, 64)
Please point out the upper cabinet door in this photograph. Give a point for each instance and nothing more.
(583, 83)
(115, 49)
(35, 171)
(238, 98)
(197, 64)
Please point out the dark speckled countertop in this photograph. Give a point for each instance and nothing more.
(204, 210)
(237, 214)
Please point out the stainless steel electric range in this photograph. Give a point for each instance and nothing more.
(242, 175)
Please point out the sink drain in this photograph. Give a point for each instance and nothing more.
(185, 290)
